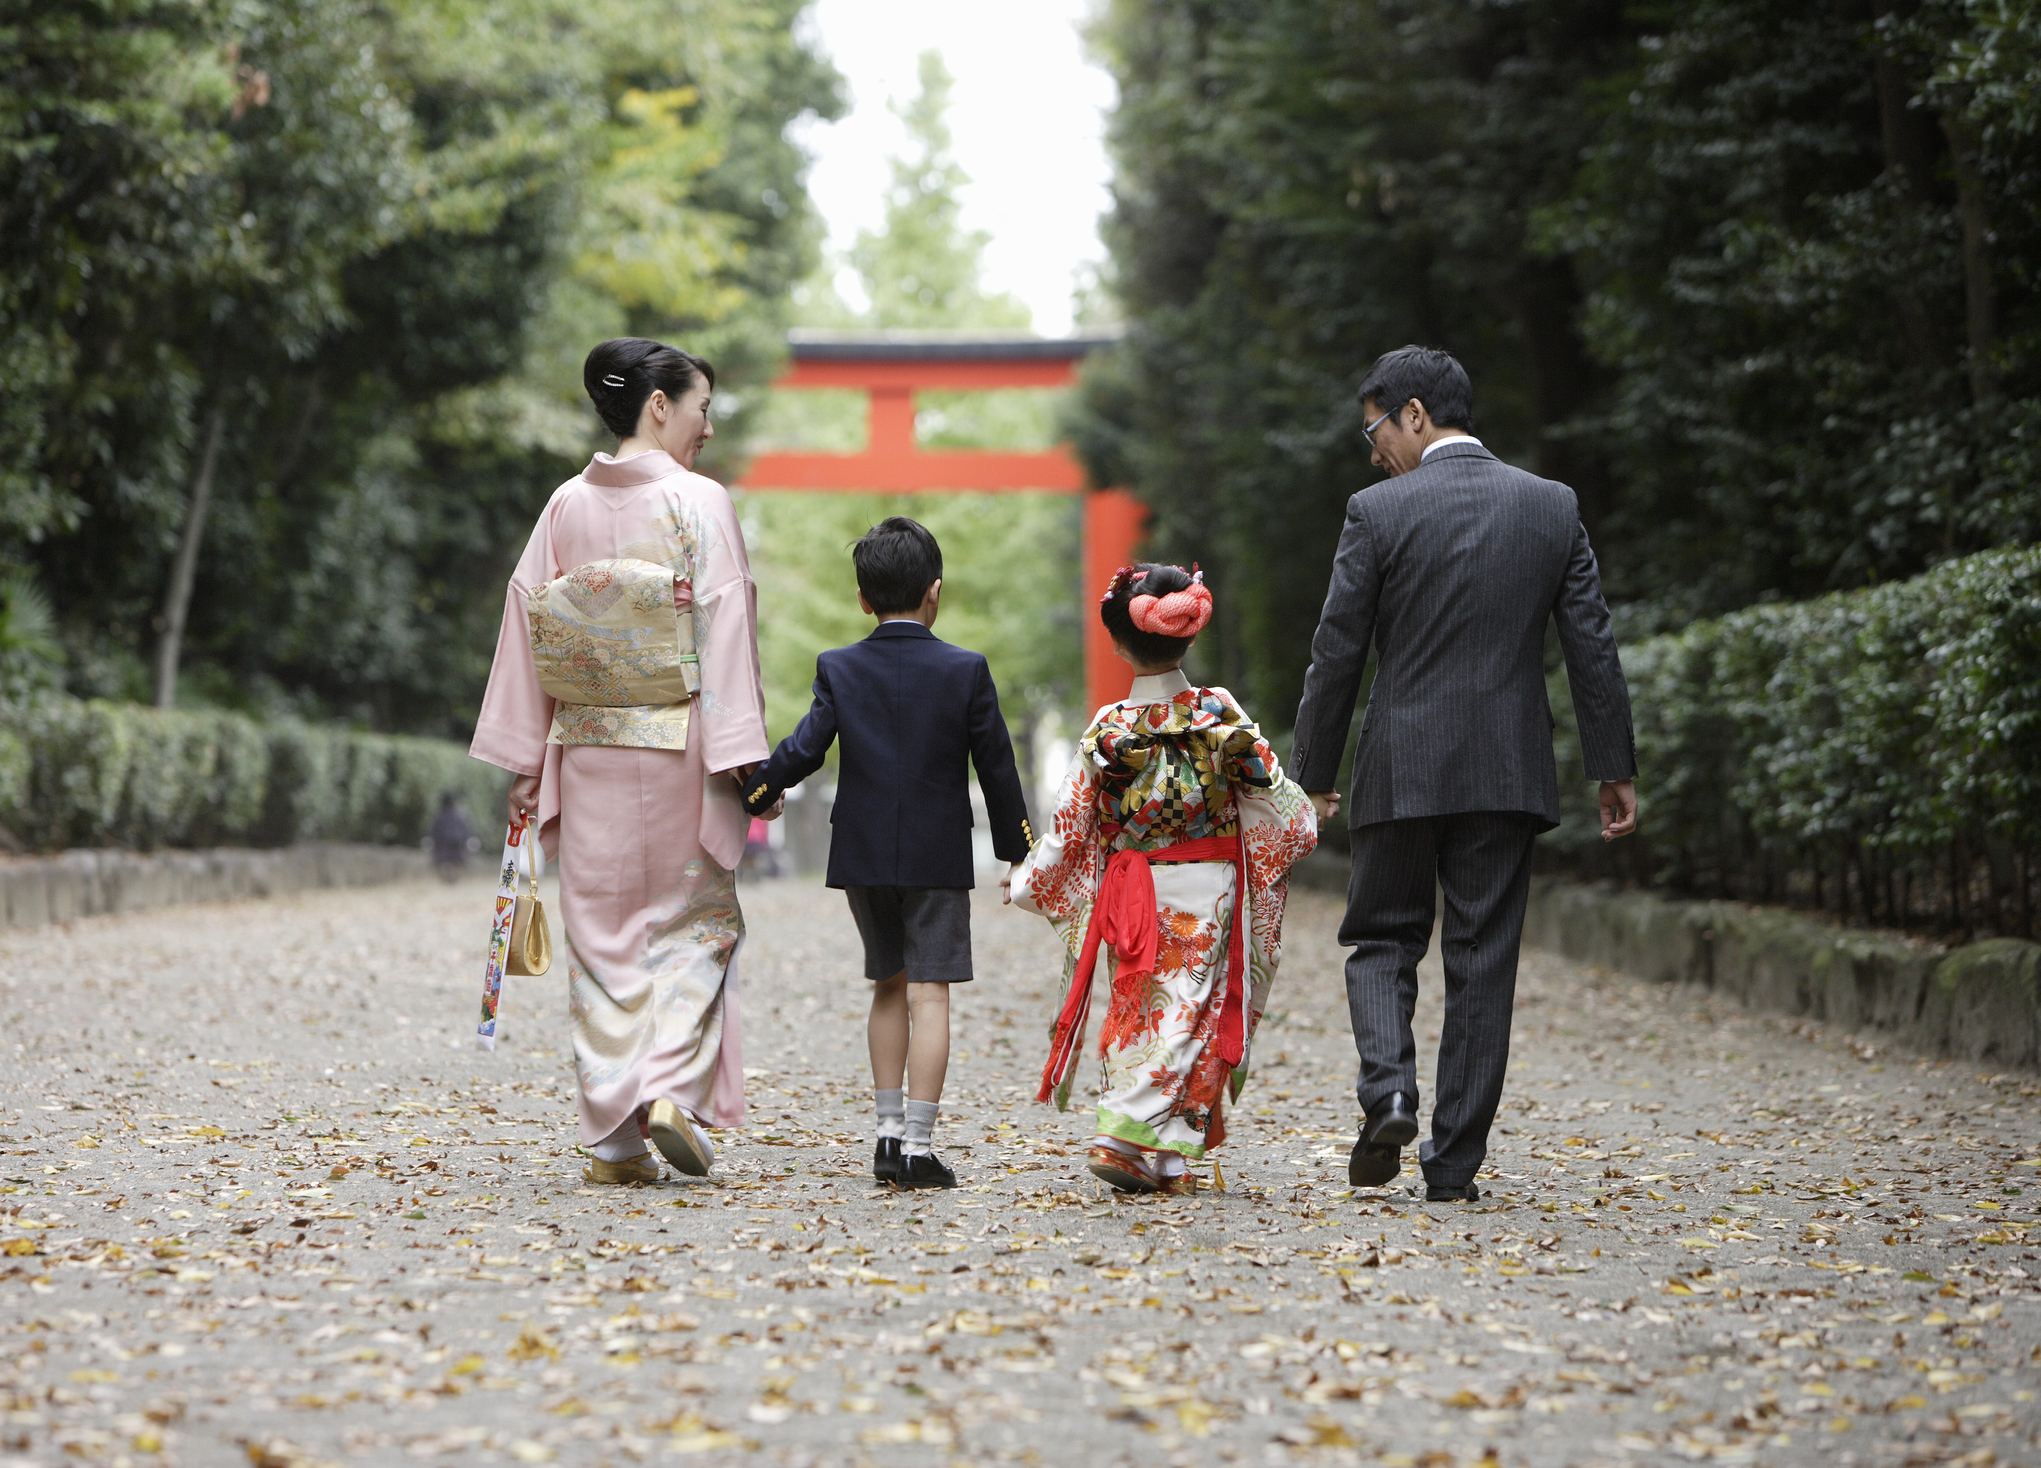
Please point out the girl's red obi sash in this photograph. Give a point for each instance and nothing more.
(1124, 918)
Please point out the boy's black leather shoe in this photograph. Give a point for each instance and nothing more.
(886, 1160)
(1377, 1156)
(924, 1170)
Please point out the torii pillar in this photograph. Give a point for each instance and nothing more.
(890, 368)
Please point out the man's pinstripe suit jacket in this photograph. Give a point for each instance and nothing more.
(1451, 571)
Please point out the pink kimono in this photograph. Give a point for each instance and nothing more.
(647, 839)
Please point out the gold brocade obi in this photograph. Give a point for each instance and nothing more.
(616, 650)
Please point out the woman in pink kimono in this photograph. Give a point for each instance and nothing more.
(1170, 847)
(639, 804)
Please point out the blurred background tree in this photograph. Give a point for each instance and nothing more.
(357, 253)
(1010, 560)
(1756, 278)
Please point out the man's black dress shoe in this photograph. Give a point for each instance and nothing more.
(1458, 1193)
(924, 1170)
(886, 1160)
(1376, 1158)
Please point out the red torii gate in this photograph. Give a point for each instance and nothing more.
(890, 368)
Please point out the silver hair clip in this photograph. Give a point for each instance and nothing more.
(612, 381)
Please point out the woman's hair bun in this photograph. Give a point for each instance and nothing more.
(622, 373)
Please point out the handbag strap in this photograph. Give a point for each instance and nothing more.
(524, 855)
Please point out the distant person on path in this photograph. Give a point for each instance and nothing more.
(909, 710)
(640, 804)
(1170, 848)
(1451, 571)
(451, 838)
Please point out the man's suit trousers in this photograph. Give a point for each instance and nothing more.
(1481, 860)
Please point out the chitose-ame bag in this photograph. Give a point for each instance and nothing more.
(520, 942)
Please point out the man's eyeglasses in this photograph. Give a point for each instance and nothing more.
(1369, 431)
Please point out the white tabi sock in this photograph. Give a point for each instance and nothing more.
(1168, 1164)
(622, 1144)
(919, 1140)
(892, 1111)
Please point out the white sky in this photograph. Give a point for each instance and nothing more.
(1027, 116)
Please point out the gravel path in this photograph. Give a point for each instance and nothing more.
(262, 1202)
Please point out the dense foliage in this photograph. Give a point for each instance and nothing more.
(1755, 277)
(335, 265)
(1874, 752)
(96, 773)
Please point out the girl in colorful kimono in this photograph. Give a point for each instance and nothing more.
(1170, 848)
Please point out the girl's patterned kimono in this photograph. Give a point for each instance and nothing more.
(1171, 772)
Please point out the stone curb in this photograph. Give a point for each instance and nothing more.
(1981, 1002)
(76, 884)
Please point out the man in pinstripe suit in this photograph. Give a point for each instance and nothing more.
(1451, 570)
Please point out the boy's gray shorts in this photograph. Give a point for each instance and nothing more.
(925, 930)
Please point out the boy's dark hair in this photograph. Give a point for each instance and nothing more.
(1433, 377)
(1148, 579)
(620, 374)
(897, 561)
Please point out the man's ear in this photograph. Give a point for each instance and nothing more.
(1424, 416)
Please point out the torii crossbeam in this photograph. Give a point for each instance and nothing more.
(890, 368)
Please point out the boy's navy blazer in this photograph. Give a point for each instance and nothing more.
(909, 709)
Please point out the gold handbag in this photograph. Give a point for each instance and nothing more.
(531, 939)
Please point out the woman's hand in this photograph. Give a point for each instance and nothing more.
(524, 799)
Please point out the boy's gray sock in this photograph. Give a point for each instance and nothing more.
(892, 1110)
(920, 1140)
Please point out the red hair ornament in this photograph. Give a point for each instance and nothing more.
(1179, 614)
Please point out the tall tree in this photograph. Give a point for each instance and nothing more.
(1755, 277)
(372, 244)
(924, 267)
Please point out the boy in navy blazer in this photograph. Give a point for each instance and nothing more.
(910, 709)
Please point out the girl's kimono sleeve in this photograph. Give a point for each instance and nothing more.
(1279, 829)
(1060, 877)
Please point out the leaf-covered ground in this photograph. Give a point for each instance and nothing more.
(263, 1202)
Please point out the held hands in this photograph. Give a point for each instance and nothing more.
(1619, 808)
(1325, 803)
(742, 774)
(1006, 883)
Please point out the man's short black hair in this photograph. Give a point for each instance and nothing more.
(897, 561)
(1433, 377)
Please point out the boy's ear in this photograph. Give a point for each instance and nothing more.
(867, 606)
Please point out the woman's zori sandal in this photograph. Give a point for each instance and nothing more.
(1129, 1172)
(679, 1140)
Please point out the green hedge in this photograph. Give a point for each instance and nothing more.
(113, 774)
(1876, 753)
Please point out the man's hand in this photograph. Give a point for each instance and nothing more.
(524, 799)
(1619, 808)
(1006, 883)
(1325, 803)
